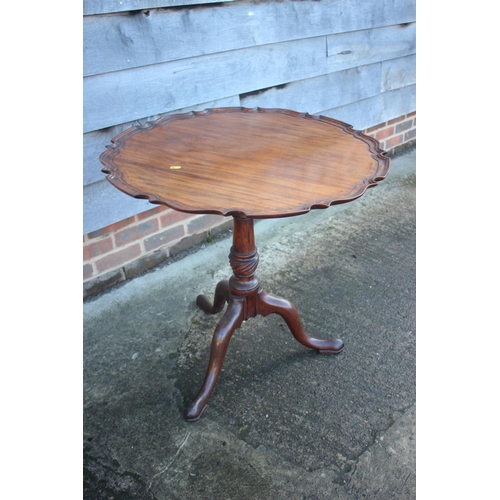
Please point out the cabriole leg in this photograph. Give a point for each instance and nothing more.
(221, 296)
(267, 304)
(231, 320)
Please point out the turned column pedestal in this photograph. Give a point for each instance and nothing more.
(245, 299)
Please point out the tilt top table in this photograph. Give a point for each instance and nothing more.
(248, 164)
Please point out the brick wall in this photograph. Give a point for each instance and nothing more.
(127, 248)
(395, 133)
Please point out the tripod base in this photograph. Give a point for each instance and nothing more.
(245, 299)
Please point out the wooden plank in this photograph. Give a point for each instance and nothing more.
(94, 143)
(375, 110)
(103, 204)
(125, 41)
(323, 92)
(125, 96)
(346, 50)
(92, 7)
(398, 73)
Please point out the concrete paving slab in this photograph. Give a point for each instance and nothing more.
(284, 421)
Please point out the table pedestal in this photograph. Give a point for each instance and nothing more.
(245, 300)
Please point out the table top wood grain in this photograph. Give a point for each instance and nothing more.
(253, 163)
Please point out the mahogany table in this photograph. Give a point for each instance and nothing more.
(248, 164)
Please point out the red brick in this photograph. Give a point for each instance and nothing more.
(117, 258)
(413, 113)
(410, 135)
(151, 213)
(393, 141)
(376, 127)
(173, 217)
(102, 282)
(163, 238)
(105, 231)
(187, 242)
(87, 271)
(204, 222)
(401, 127)
(97, 248)
(395, 120)
(136, 232)
(145, 262)
(382, 134)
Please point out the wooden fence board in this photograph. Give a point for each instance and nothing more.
(125, 41)
(323, 92)
(375, 110)
(125, 96)
(398, 73)
(92, 7)
(364, 47)
(103, 205)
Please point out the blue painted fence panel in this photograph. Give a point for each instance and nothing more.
(92, 7)
(125, 41)
(124, 96)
